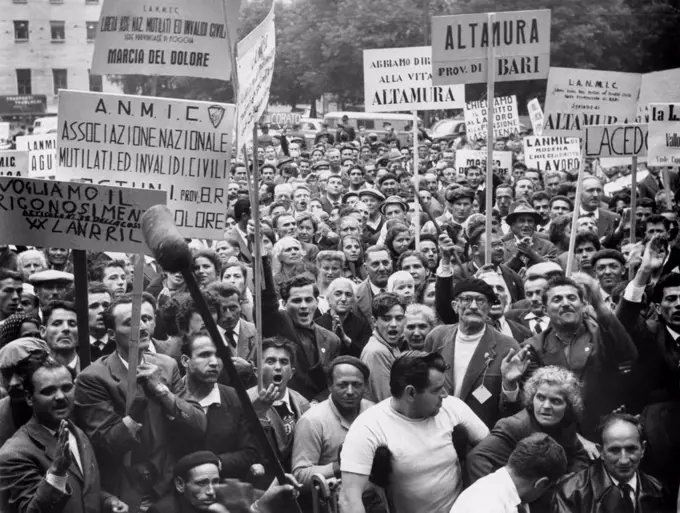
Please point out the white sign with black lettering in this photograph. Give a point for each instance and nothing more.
(42, 154)
(552, 153)
(181, 146)
(664, 134)
(505, 118)
(400, 79)
(616, 141)
(536, 116)
(14, 163)
(657, 87)
(502, 161)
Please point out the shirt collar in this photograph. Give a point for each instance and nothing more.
(374, 288)
(237, 329)
(595, 213)
(512, 497)
(104, 339)
(73, 364)
(673, 333)
(212, 398)
(285, 399)
(632, 482)
(125, 364)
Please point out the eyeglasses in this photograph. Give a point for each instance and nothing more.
(466, 301)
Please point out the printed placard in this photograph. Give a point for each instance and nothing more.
(536, 116)
(505, 118)
(616, 141)
(460, 43)
(42, 154)
(400, 79)
(177, 38)
(664, 134)
(502, 161)
(552, 153)
(14, 163)
(657, 87)
(181, 146)
(577, 98)
(74, 215)
(256, 54)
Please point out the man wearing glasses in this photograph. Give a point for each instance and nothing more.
(484, 365)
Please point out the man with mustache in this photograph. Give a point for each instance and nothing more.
(156, 427)
(523, 245)
(15, 359)
(49, 464)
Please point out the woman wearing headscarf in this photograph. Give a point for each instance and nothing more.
(19, 325)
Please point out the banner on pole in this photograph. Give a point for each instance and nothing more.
(657, 87)
(664, 134)
(42, 154)
(502, 161)
(179, 38)
(576, 98)
(616, 141)
(400, 79)
(536, 116)
(552, 153)
(521, 41)
(505, 118)
(14, 163)
(181, 146)
(256, 54)
(74, 215)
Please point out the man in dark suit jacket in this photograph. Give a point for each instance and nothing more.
(590, 205)
(653, 183)
(523, 246)
(49, 464)
(136, 450)
(239, 233)
(378, 264)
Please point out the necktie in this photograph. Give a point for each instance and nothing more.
(230, 338)
(497, 325)
(626, 498)
(658, 180)
(99, 344)
(537, 327)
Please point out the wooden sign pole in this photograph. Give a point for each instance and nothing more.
(257, 257)
(577, 207)
(489, 141)
(416, 178)
(133, 354)
(81, 301)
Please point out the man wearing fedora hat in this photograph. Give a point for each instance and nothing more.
(523, 244)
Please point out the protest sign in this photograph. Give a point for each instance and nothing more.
(182, 146)
(179, 38)
(616, 141)
(400, 79)
(520, 40)
(502, 161)
(505, 118)
(536, 116)
(256, 54)
(74, 215)
(664, 134)
(14, 163)
(657, 87)
(576, 98)
(4, 131)
(286, 119)
(42, 154)
(552, 153)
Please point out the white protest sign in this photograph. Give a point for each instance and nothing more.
(664, 134)
(14, 163)
(400, 79)
(177, 38)
(287, 119)
(552, 153)
(5, 129)
(181, 146)
(616, 141)
(521, 42)
(256, 54)
(657, 87)
(74, 215)
(576, 98)
(536, 116)
(42, 154)
(502, 161)
(505, 118)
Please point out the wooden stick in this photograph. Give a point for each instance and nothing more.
(489, 140)
(667, 187)
(633, 198)
(257, 257)
(133, 354)
(416, 177)
(577, 208)
(80, 276)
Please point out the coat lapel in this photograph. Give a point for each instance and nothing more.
(477, 366)
(48, 443)
(246, 342)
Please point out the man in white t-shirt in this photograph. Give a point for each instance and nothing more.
(416, 426)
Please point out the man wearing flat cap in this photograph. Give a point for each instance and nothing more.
(372, 198)
(50, 285)
(485, 366)
(523, 245)
(458, 205)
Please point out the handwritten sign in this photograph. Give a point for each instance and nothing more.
(181, 146)
(664, 134)
(177, 38)
(536, 116)
(74, 215)
(577, 98)
(616, 141)
(14, 163)
(400, 79)
(520, 39)
(657, 87)
(505, 122)
(256, 54)
(552, 153)
(42, 154)
(502, 161)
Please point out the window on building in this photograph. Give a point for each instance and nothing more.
(96, 83)
(60, 80)
(56, 1)
(21, 30)
(24, 81)
(58, 29)
(91, 27)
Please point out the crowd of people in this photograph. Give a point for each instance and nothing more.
(408, 377)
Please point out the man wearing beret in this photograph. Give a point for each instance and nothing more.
(484, 365)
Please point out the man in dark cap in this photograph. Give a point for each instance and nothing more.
(484, 365)
(458, 205)
(345, 132)
(51, 285)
